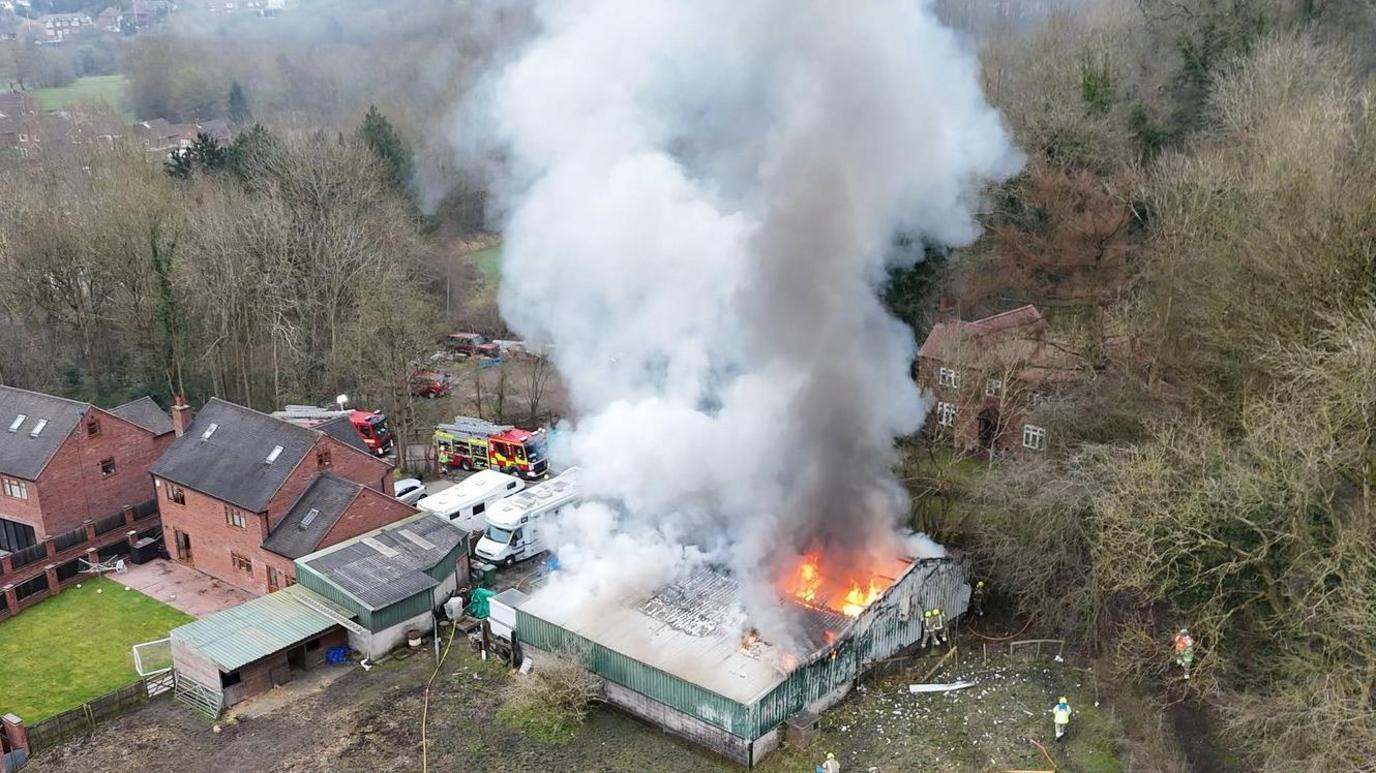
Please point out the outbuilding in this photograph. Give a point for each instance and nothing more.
(248, 649)
(391, 580)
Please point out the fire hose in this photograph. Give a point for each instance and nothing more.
(425, 707)
(1025, 625)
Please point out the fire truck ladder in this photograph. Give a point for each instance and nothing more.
(474, 427)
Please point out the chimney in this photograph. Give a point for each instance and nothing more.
(181, 415)
(946, 310)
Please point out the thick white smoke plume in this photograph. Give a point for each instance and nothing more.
(707, 196)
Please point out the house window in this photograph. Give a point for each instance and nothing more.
(322, 458)
(1033, 437)
(274, 579)
(176, 494)
(235, 518)
(949, 377)
(946, 414)
(994, 388)
(107, 467)
(16, 489)
(92, 426)
(241, 563)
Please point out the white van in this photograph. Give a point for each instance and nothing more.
(465, 503)
(516, 525)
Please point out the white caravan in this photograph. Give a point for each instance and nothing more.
(466, 503)
(516, 525)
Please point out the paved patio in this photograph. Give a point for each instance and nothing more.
(182, 588)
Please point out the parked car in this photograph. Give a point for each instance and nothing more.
(471, 344)
(408, 490)
(430, 383)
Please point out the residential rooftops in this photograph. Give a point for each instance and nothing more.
(145, 413)
(236, 454)
(32, 428)
(305, 525)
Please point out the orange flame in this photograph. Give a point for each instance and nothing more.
(812, 588)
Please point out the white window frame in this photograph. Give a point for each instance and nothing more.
(993, 388)
(1033, 437)
(949, 377)
(946, 414)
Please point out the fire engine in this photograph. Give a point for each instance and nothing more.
(474, 444)
(371, 426)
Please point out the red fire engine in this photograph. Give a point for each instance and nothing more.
(474, 444)
(371, 426)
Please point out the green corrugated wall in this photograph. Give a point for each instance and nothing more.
(878, 635)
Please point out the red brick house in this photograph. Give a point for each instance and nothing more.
(243, 494)
(64, 462)
(986, 376)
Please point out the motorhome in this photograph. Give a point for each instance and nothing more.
(465, 503)
(517, 525)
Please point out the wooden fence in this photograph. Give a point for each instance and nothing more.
(84, 718)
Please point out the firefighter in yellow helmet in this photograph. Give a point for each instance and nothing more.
(928, 632)
(830, 765)
(1060, 714)
(938, 625)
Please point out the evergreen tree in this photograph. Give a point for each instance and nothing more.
(248, 145)
(238, 104)
(377, 133)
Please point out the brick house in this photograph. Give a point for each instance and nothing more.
(237, 489)
(64, 462)
(986, 376)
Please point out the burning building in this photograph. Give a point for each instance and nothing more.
(678, 658)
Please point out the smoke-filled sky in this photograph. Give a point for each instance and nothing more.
(703, 203)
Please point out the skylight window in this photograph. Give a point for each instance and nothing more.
(274, 453)
(310, 517)
(37, 428)
(18, 420)
(209, 431)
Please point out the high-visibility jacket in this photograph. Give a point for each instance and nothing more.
(936, 622)
(1183, 643)
(1061, 713)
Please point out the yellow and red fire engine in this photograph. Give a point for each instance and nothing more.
(474, 444)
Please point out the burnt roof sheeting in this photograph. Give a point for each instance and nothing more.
(21, 453)
(377, 579)
(231, 465)
(329, 495)
(341, 429)
(145, 413)
(261, 627)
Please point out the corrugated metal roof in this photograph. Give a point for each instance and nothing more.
(258, 628)
(389, 564)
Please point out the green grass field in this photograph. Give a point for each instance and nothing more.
(489, 261)
(76, 646)
(98, 89)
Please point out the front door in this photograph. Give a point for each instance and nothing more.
(183, 541)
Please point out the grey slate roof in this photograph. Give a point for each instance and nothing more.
(21, 453)
(341, 429)
(377, 579)
(231, 465)
(329, 495)
(145, 413)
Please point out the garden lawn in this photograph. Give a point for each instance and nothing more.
(97, 89)
(75, 646)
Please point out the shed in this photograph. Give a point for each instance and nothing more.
(391, 579)
(677, 660)
(250, 648)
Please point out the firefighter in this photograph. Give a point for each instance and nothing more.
(977, 598)
(938, 625)
(928, 632)
(443, 458)
(1184, 650)
(830, 765)
(1060, 714)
